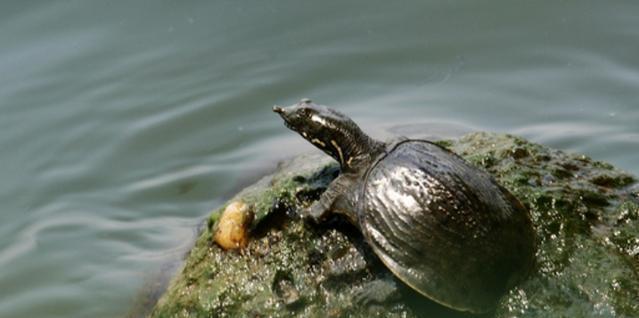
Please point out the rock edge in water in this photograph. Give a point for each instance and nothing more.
(585, 214)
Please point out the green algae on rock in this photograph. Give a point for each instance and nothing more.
(584, 212)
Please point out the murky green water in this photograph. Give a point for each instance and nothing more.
(123, 123)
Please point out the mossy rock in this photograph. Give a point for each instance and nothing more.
(585, 214)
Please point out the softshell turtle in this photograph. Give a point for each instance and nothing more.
(442, 226)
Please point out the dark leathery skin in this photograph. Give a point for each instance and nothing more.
(443, 227)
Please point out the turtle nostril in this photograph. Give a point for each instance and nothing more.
(278, 109)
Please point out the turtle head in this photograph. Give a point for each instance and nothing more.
(327, 129)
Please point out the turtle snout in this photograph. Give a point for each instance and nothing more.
(287, 113)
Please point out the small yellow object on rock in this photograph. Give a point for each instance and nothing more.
(231, 231)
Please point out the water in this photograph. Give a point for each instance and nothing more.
(124, 123)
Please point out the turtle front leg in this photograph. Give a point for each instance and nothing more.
(317, 211)
(334, 199)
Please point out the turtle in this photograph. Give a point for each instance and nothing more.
(442, 226)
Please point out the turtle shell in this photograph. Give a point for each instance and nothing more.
(444, 227)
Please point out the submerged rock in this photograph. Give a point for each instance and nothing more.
(585, 214)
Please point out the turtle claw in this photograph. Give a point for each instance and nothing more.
(316, 212)
(377, 292)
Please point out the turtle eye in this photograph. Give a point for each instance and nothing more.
(308, 112)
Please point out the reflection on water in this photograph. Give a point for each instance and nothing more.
(125, 123)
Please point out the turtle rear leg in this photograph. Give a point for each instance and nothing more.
(377, 292)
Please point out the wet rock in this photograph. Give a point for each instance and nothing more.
(585, 214)
(284, 288)
(608, 181)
